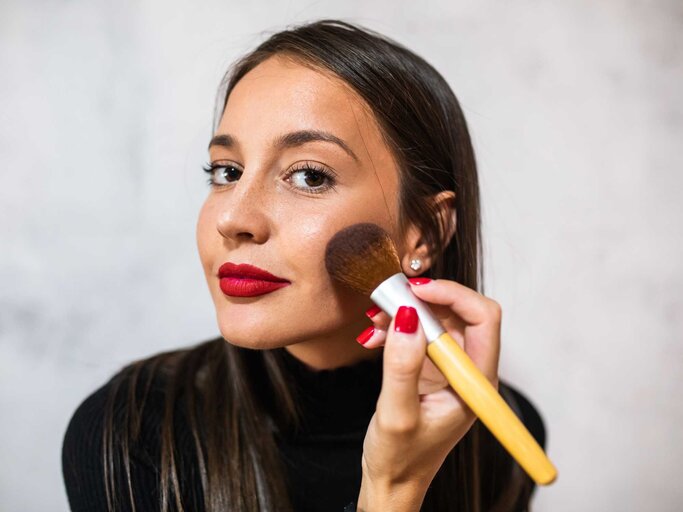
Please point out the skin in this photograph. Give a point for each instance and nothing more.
(263, 219)
(270, 218)
(419, 418)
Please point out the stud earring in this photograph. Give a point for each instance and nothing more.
(415, 264)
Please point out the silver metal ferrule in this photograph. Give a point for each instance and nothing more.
(395, 292)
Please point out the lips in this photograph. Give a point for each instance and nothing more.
(246, 280)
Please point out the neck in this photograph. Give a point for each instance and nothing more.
(334, 352)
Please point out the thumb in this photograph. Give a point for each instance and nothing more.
(405, 347)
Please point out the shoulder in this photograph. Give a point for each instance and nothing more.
(119, 426)
(84, 448)
(111, 397)
(137, 389)
(102, 414)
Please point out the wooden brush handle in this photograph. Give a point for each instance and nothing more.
(480, 395)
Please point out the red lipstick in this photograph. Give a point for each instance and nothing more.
(247, 280)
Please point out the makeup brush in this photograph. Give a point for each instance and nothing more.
(364, 258)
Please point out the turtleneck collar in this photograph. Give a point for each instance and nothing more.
(335, 401)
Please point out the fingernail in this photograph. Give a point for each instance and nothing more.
(373, 311)
(419, 280)
(406, 320)
(366, 335)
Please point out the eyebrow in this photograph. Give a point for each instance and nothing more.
(290, 140)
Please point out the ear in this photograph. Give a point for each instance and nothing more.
(414, 245)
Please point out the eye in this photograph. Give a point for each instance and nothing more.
(311, 178)
(220, 175)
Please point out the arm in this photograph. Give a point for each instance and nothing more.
(407, 497)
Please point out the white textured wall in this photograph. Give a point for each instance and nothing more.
(577, 116)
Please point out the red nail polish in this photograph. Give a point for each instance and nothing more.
(419, 280)
(366, 335)
(406, 320)
(373, 311)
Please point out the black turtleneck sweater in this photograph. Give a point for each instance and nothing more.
(322, 460)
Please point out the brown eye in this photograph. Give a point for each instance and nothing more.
(222, 174)
(314, 179)
(227, 173)
(311, 178)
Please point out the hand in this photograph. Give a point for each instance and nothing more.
(419, 418)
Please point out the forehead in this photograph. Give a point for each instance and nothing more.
(281, 95)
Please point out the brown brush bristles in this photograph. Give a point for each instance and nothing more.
(362, 256)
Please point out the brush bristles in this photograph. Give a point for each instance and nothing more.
(362, 256)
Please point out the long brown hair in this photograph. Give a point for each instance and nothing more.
(214, 387)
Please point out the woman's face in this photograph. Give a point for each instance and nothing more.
(269, 211)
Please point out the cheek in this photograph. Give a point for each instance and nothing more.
(205, 234)
(315, 305)
(304, 246)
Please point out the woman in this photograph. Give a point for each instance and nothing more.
(321, 127)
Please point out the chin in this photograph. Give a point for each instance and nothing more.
(261, 338)
(255, 337)
(250, 343)
(244, 338)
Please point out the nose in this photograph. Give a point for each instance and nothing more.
(242, 215)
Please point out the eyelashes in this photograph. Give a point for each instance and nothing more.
(229, 173)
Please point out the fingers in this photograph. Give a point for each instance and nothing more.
(404, 353)
(470, 305)
(482, 315)
(378, 317)
(431, 379)
(374, 336)
(475, 325)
